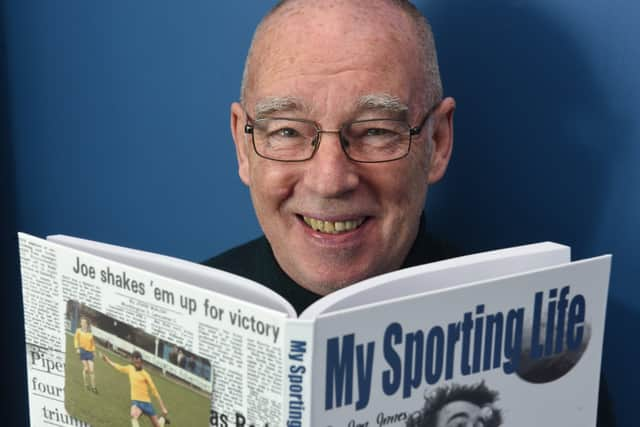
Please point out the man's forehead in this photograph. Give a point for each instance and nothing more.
(304, 48)
(457, 410)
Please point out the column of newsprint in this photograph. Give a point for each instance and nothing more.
(242, 342)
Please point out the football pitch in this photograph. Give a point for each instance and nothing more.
(110, 407)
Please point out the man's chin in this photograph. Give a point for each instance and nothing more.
(325, 288)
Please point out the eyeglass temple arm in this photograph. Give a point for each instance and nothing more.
(417, 129)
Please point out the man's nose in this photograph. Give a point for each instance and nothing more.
(330, 173)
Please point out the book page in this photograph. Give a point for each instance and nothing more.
(184, 271)
(529, 345)
(442, 275)
(213, 358)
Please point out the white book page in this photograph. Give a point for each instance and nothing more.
(237, 347)
(185, 271)
(442, 275)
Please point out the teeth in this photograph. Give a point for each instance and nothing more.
(332, 227)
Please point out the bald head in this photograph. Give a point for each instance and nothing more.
(394, 23)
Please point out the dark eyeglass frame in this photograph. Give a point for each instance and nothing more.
(413, 131)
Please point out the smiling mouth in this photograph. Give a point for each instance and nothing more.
(332, 227)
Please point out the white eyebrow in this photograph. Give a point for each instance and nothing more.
(277, 104)
(382, 101)
(374, 101)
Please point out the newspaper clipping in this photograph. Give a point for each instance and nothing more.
(107, 343)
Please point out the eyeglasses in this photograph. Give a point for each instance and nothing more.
(365, 141)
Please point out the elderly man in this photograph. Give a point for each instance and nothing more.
(341, 128)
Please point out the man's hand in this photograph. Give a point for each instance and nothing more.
(78, 350)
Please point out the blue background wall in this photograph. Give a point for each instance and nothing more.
(114, 126)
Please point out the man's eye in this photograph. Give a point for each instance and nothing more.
(287, 132)
(377, 132)
(283, 133)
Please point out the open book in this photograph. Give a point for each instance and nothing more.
(507, 337)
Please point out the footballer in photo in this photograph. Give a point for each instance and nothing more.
(119, 375)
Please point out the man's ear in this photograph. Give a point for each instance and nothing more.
(239, 138)
(442, 139)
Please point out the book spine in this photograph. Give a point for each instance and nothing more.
(298, 362)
